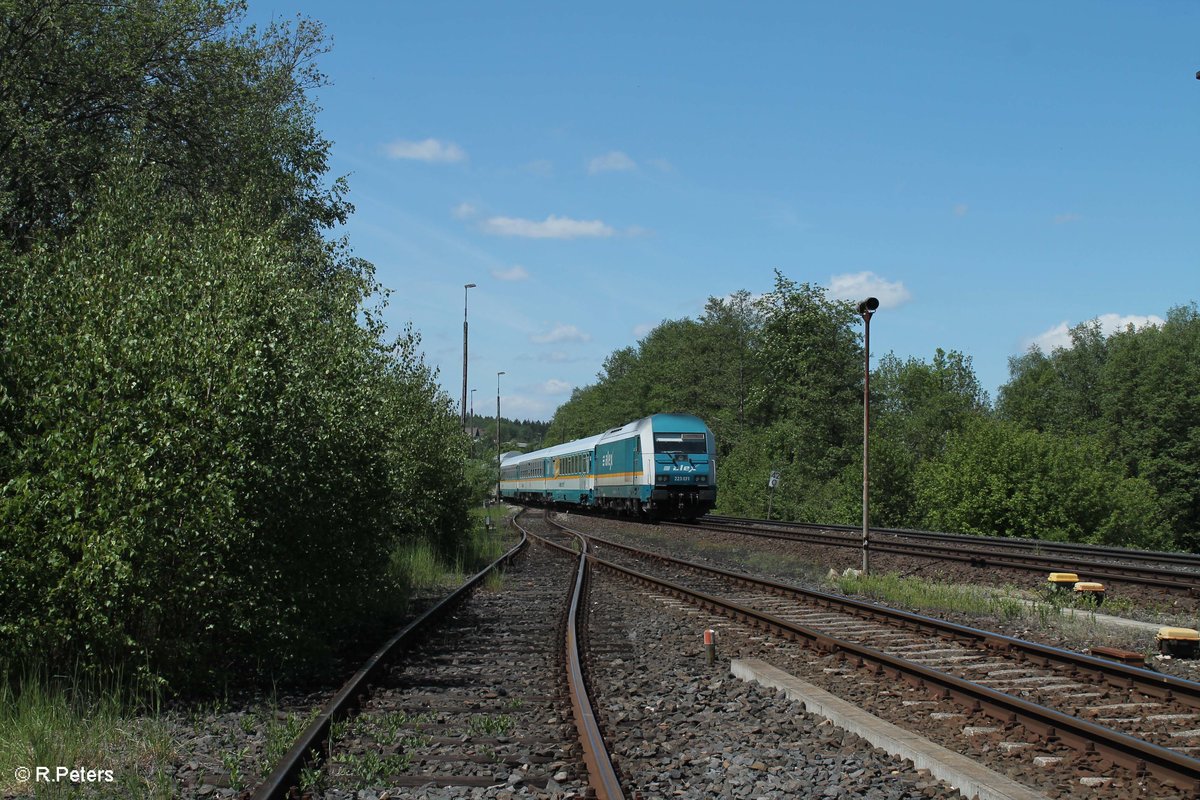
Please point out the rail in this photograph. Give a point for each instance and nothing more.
(602, 775)
(1136, 754)
(312, 743)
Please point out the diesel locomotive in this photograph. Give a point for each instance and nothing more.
(663, 465)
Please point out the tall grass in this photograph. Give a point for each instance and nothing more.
(81, 721)
(416, 566)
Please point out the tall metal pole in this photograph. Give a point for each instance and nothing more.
(498, 374)
(866, 308)
(463, 407)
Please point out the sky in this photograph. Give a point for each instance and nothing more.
(994, 172)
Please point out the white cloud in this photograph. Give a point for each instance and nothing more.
(861, 285)
(516, 273)
(555, 386)
(561, 333)
(641, 330)
(430, 150)
(553, 227)
(961, 209)
(1063, 219)
(1059, 336)
(464, 211)
(1111, 323)
(1052, 339)
(614, 161)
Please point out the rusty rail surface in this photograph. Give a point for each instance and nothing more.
(1136, 754)
(602, 775)
(311, 745)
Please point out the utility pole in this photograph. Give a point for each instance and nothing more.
(463, 407)
(498, 374)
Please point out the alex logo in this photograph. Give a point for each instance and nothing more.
(606, 460)
(677, 468)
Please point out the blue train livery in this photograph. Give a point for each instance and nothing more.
(663, 465)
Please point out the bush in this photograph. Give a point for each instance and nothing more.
(205, 458)
(998, 479)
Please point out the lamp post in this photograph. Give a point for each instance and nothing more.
(473, 391)
(466, 287)
(498, 374)
(866, 308)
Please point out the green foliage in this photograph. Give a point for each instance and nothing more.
(1134, 391)
(206, 457)
(168, 84)
(915, 407)
(996, 478)
(802, 409)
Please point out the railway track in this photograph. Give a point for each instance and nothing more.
(484, 691)
(1178, 575)
(1146, 722)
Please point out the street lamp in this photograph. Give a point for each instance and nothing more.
(498, 374)
(866, 308)
(463, 407)
(473, 404)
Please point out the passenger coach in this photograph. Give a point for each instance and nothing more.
(663, 466)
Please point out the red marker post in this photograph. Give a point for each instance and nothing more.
(710, 646)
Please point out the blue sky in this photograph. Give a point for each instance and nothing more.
(993, 172)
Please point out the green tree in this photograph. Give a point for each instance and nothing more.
(1061, 392)
(170, 84)
(998, 479)
(915, 407)
(206, 457)
(1151, 414)
(805, 406)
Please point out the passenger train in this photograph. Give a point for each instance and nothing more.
(663, 465)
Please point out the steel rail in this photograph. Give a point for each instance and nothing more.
(1121, 675)
(1136, 754)
(1173, 580)
(313, 743)
(602, 775)
(1001, 542)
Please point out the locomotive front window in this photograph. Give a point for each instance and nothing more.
(680, 443)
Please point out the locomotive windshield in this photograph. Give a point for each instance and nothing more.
(680, 443)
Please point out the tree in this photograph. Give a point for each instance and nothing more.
(207, 458)
(915, 407)
(1150, 413)
(1063, 391)
(168, 84)
(998, 479)
(805, 406)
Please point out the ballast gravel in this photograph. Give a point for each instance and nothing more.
(679, 727)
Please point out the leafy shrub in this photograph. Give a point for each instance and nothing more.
(205, 451)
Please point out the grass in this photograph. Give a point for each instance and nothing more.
(107, 723)
(417, 567)
(86, 722)
(927, 595)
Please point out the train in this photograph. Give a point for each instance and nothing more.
(661, 466)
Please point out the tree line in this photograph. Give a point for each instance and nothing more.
(1097, 442)
(208, 444)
